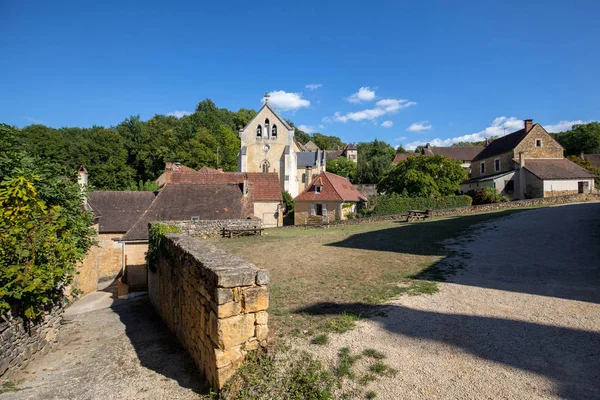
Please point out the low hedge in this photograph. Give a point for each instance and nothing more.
(396, 204)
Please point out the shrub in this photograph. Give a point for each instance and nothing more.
(487, 195)
(288, 201)
(155, 237)
(397, 204)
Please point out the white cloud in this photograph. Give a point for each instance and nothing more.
(321, 126)
(306, 128)
(34, 121)
(313, 86)
(419, 126)
(383, 107)
(364, 94)
(562, 126)
(285, 101)
(179, 114)
(387, 124)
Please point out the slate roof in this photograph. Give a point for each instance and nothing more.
(333, 154)
(488, 177)
(118, 211)
(461, 153)
(593, 158)
(182, 201)
(502, 145)
(549, 169)
(333, 188)
(306, 158)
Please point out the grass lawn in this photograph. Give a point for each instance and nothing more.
(317, 273)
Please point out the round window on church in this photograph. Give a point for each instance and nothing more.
(266, 147)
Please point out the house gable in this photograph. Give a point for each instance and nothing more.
(538, 144)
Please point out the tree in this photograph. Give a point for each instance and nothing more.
(583, 138)
(419, 149)
(374, 160)
(424, 176)
(400, 149)
(343, 167)
(325, 142)
(587, 165)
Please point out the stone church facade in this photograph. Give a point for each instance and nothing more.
(268, 145)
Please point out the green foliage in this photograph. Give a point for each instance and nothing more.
(342, 323)
(372, 353)
(583, 138)
(156, 235)
(486, 195)
(381, 368)
(263, 376)
(320, 339)
(148, 186)
(397, 204)
(325, 142)
(343, 167)
(288, 201)
(589, 166)
(345, 362)
(479, 143)
(44, 231)
(400, 149)
(374, 160)
(424, 176)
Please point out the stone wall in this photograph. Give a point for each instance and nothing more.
(212, 228)
(516, 204)
(212, 301)
(22, 342)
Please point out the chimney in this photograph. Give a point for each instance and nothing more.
(308, 175)
(487, 141)
(245, 186)
(82, 179)
(522, 179)
(528, 124)
(168, 173)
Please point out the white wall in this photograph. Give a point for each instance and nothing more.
(567, 184)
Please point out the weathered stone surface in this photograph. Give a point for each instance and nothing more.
(262, 277)
(208, 228)
(262, 317)
(262, 331)
(235, 330)
(200, 292)
(256, 298)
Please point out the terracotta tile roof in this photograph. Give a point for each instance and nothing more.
(546, 169)
(403, 156)
(333, 188)
(266, 186)
(461, 153)
(182, 201)
(118, 211)
(593, 158)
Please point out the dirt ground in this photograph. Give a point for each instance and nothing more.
(521, 320)
(111, 349)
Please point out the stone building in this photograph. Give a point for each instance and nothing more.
(329, 197)
(527, 163)
(268, 145)
(350, 151)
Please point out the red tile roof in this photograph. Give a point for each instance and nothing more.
(333, 188)
(403, 156)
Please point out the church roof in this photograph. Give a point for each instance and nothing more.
(306, 158)
(281, 120)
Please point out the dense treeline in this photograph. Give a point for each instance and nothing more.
(133, 153)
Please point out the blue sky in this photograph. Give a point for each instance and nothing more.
(429, 71)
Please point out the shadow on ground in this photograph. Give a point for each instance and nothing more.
(551, 251)
(157, 348)
(569, 357)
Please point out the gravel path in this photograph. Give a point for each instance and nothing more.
(111, 350)
(521, 321)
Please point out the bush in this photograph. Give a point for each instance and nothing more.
(155, 237)
(288, 201)
(487, 195)
(396, 204)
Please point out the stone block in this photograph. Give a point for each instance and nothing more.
(223, 295)
(262, 317)
(262, 331)
(227, 309)
(235, 330)
(262, 277)
(255, 298)
(251, 344)
(233, 278)
(229, 356)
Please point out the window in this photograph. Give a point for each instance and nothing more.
(318, 189)
(538, 142)
(496, 165)
(482, 168)
(312, 210)
(351, 156)
(259, 132)
(274, 132)
(267, 127)
(264, 166)
(195, 218)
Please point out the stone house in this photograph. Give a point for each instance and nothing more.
(263, 189)
(329, 197)
(527, 163)
(350, 151)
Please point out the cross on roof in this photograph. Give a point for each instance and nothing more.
(267, 95)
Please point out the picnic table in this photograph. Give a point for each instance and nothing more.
(237, 231)
(417, 215)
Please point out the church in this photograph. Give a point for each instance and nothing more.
(268, 145)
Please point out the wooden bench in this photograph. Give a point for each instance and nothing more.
(417, 215)
(238, 231)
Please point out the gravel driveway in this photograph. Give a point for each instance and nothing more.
(520, 321)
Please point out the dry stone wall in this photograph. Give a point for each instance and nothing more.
(22, 342)
(213, 302)
(207, 228)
